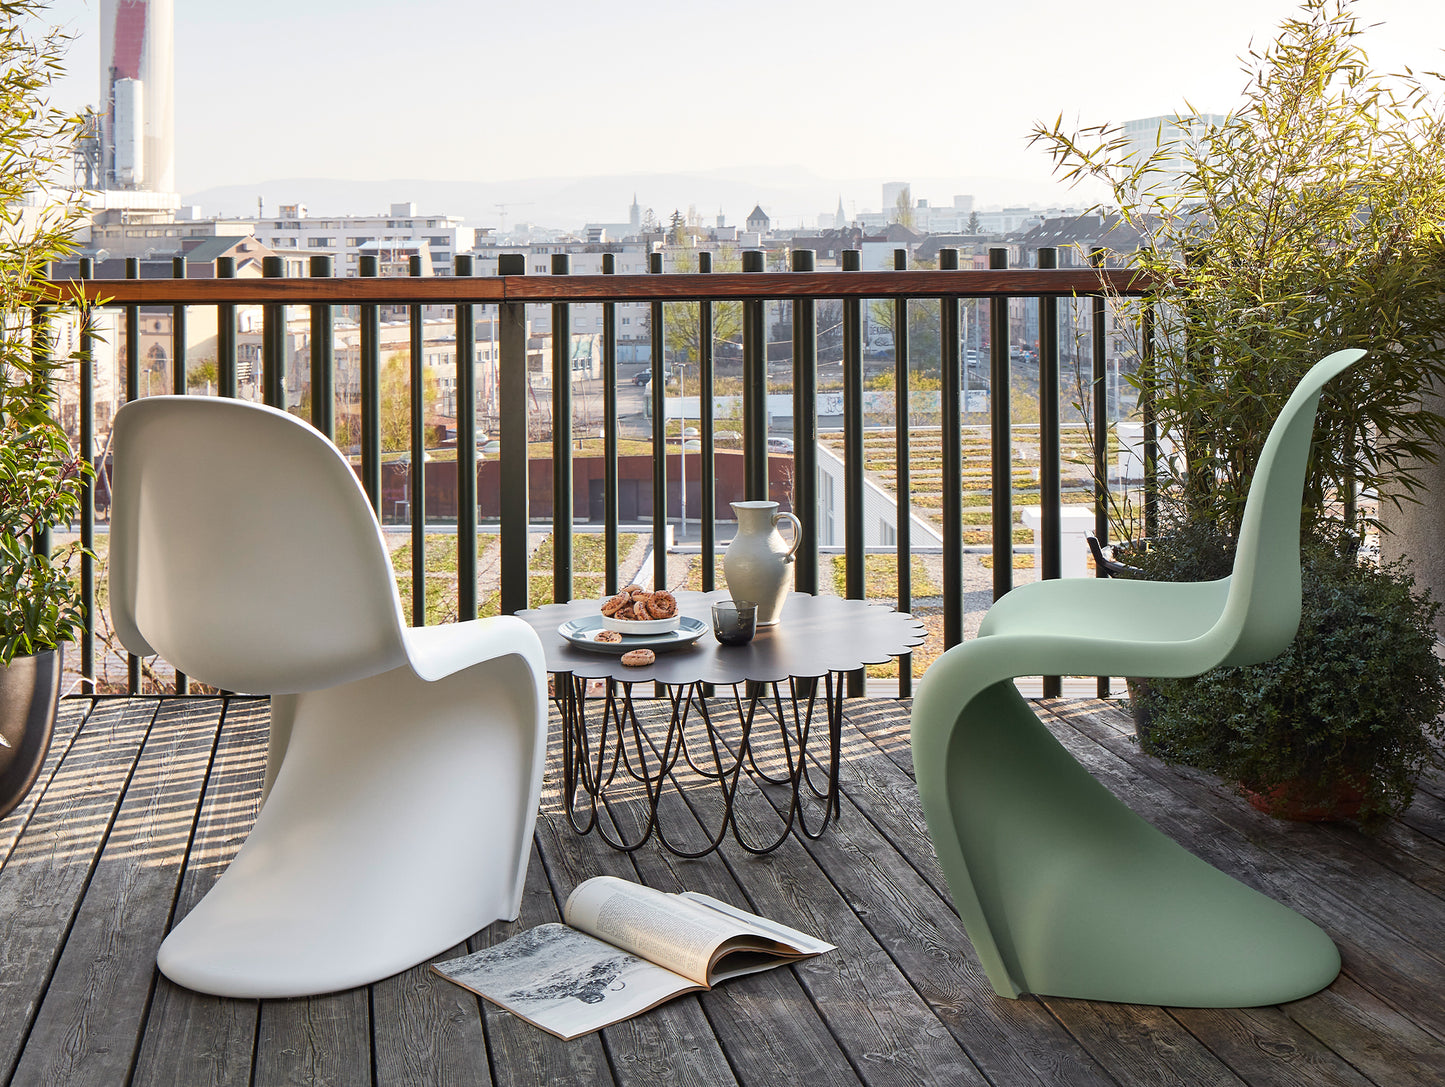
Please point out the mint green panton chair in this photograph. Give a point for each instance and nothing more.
(1062, 889)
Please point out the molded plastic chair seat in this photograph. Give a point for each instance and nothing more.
(1062, 889)
(405, 765)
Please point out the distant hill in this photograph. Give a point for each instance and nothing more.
(791, 197)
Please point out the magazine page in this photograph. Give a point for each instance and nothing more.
(564, 981)
(768, 944)
(790, 937)
(667, 929)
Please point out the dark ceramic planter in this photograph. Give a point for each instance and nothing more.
(29, 694)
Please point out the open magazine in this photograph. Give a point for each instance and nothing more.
(624, 948)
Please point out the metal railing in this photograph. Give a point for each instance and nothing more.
(511, 291)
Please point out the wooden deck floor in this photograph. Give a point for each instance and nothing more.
(143, 801)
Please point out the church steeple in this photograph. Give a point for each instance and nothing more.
(840, 218)
(634, 214)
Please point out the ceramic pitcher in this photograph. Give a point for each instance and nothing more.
(758, 565)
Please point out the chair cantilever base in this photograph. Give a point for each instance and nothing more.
(397, 826)
(1066, 892)
(405, 764)
(1062, 889)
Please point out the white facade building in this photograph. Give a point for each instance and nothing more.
(345, 237)
(1169, 135)
(584, 259)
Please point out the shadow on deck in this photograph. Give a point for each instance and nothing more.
(143, 802)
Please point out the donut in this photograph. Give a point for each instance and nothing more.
(638, 657)
(607, 636)
(661, 605)
(633, 588)
(614, 604)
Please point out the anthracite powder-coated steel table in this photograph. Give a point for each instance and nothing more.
(776, 679)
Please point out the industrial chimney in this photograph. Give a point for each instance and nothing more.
(137, 45)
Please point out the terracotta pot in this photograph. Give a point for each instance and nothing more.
(1283, 802)
(29, 694)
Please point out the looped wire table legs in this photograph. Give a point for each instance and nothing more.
(770, 739)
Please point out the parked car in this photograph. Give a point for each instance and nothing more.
(780, 445)
(491, 447)
(642, 377)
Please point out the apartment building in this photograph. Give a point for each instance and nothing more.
(630, 258)
(394, 237)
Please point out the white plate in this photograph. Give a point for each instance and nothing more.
(639, 626)
(583, 634)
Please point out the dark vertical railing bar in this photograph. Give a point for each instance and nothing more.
(1050, 541)
(86, 378)
(132, 337)
(706, 423)
(178, 388)
(853, 536)
(755, 390)
(226, 334)
(1151, 426)
(901, 452)
(132, 392)
(416, 508)
(178, 339)
(659, 436)
(512, 410)
(368, 266)
(805, 429)
(1001, 439)
(273, 339)
(323, 356)
(609, 431)
(561, 441)
(466, 409)
(1100, 404)
(951, 403)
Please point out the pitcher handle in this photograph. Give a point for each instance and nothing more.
(797, 533)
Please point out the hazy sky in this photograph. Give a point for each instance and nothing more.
(925, 90)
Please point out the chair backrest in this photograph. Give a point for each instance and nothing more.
(1262, 614)
(243, 549)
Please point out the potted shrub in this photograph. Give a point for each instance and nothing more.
(1341, 724)
(1308, 220)
(40, 477)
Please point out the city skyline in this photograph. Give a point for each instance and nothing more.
(836, 97)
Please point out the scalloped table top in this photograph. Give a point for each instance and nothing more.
(816, 635)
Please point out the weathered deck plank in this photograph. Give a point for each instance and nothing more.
(46, 875)
(192, 1038)
(522, 1054)
(143, 802)
(650, 1049)
(1390, 933)
(95, 1005)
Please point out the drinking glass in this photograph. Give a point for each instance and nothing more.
(734, 621)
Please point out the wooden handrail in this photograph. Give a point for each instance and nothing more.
(681, 287)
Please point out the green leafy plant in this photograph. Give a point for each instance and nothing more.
(40, 477)
(1349, 713)
(1310, 219)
